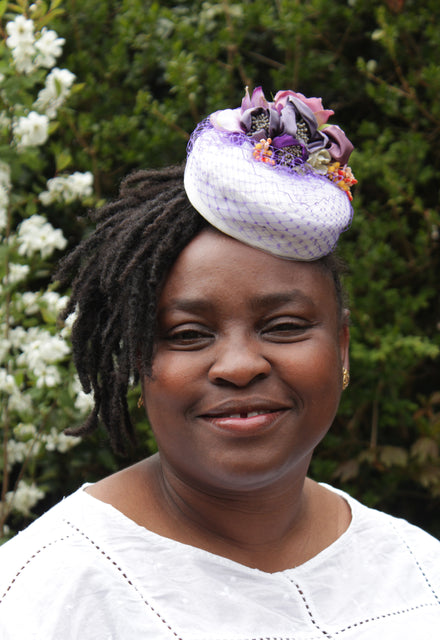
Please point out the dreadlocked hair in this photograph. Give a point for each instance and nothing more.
(116, 274)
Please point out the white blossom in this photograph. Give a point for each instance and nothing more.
(21, 42)
(68, 324)
(20, 402)
(37, 234)
(84, 401)
(48, 375)
(40, 349)
(31, 130)
(20, 30)
(4, 201)
(16, 452)
(24, 497)
(28, 303)
(55, 441)
(7, 382)
(378, 34)
(54, 302)
(5, 185)
(17, 401)
(49, 47)
(55, 91)
(25, 430)
(17, 336)
(17, 273)
(68, 188)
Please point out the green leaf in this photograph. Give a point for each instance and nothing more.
(63, 160)
(3, 7)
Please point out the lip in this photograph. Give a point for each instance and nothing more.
(245, 418)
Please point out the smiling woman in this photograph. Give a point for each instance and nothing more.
(249, 346)
(217, 289)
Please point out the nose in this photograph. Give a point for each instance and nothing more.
(238, 363)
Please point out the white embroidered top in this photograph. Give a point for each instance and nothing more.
(84, 571)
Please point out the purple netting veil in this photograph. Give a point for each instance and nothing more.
(283, 207)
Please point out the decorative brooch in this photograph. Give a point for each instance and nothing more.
(291, 131)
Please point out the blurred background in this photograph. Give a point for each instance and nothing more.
(145, 74)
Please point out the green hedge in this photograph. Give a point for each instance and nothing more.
(150, 70)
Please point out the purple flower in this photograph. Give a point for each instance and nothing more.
(292, 121)
(340, 146)
(314, 104)
(298, 121)
(291, 149)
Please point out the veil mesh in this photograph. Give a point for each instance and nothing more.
(284, 208)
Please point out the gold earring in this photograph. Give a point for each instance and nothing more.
(345, 378)
(140, 401)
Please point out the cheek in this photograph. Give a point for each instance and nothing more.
(317, 373)
(172, 369)
(166, 392)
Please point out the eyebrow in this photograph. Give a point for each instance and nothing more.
(192, 305)
(270, 300)
(265, 301)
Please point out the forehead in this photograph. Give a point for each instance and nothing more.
(215, 266)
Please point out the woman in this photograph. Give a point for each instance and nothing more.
(224, 299)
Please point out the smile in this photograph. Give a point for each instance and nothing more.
(245, 414)
(241, 421)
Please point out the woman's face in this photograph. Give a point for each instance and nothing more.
(247, 371)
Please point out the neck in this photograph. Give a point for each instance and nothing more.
(252, 527)
(275, 528)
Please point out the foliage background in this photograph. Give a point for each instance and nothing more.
(148, 71)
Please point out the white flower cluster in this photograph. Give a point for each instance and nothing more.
(24, 497)
(31, 302)
(17, 452)
(56, 89)
(84, 401)
(56, 441)
(5, 186)
(37, 234)
(17, 273)
(65, 189)
(39, 352)
(31, 130)
(7, 382)
(29, 52)
(17, 401)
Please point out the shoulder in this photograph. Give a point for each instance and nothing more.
(72, 557)
(52, 545)
(400, 551)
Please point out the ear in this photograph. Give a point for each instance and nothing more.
(344, 339)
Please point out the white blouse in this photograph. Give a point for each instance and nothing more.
(84, 571)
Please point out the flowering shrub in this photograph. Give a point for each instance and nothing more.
(39, 395)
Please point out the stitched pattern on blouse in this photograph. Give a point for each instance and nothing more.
(354, 625)
(309, 611)
(419, 567)
(123, 574)
(28, 562)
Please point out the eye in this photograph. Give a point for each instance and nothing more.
(286, 329)
(188, 338)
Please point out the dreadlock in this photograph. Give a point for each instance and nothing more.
(118, 271)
